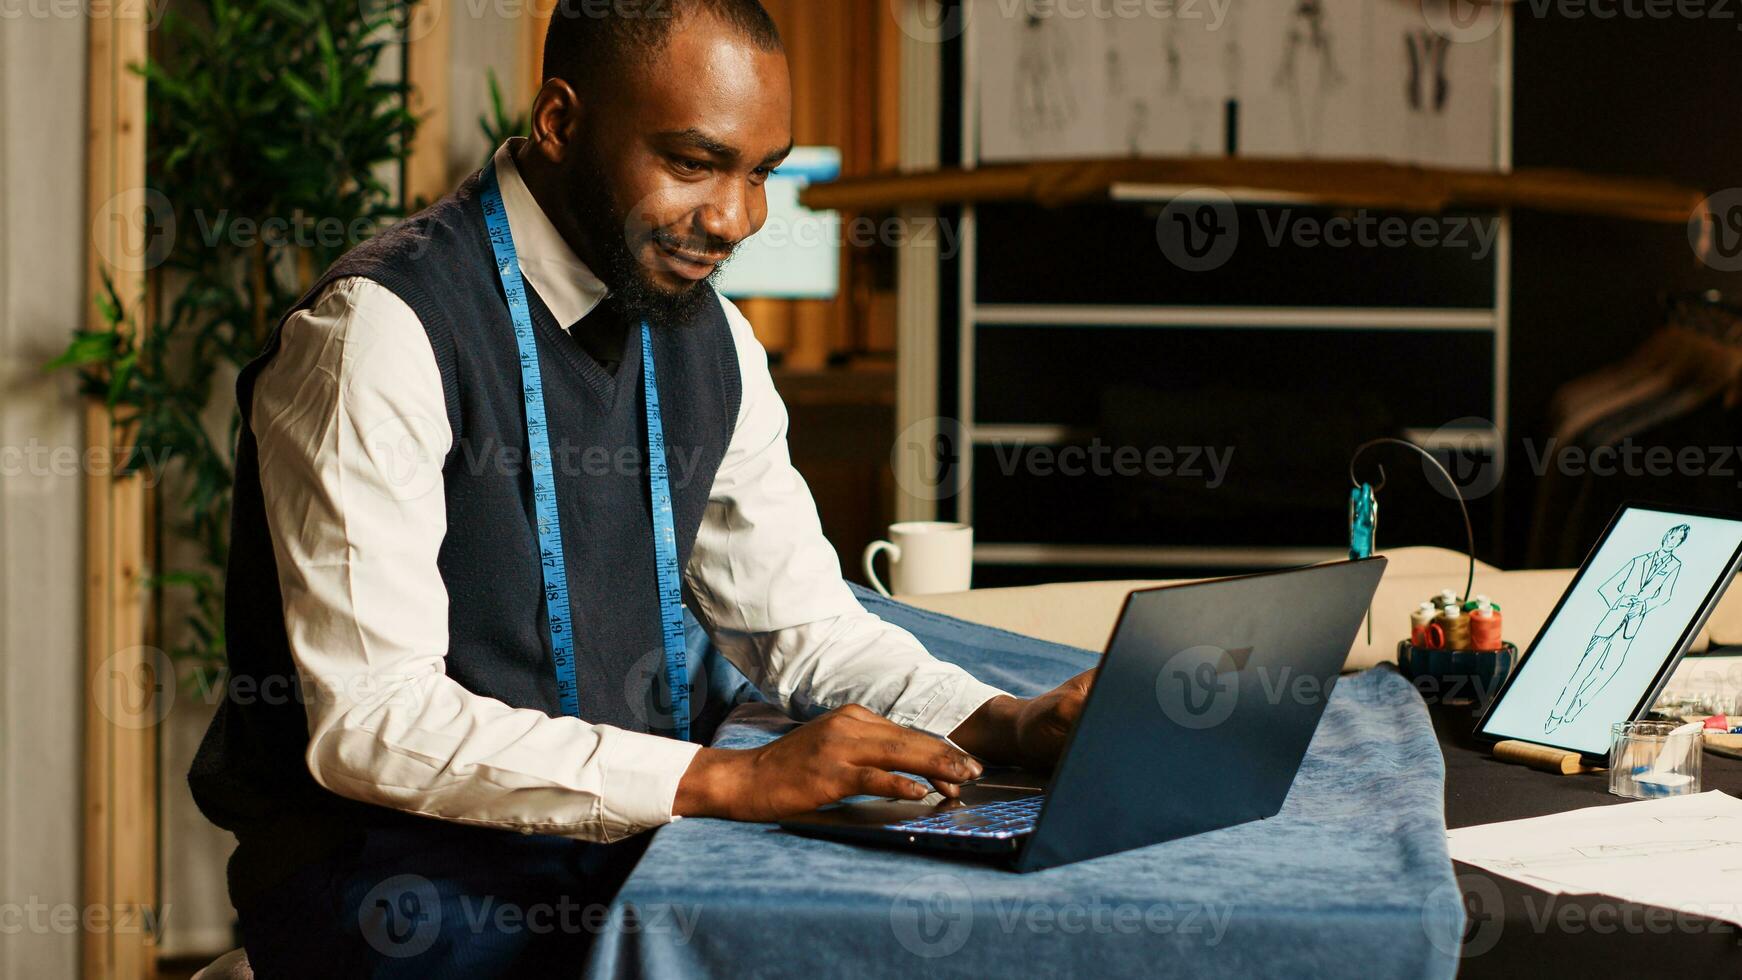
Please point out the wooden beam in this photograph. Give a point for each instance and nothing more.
(533, 26)
(429, 44)
(1348, 183)
(120, 805)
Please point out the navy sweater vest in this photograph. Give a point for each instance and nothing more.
(249, 775)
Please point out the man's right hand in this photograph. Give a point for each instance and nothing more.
(848, 752)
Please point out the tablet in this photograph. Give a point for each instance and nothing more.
(1618, 632)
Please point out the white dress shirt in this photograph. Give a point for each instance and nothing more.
(352, 429)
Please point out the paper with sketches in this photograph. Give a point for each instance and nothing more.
(1432, 99)
(1682, 853)
(1130, 80)
(1414, 81)
(1303, 82)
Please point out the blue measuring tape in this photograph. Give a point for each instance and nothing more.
(677, 673)
(550, 546)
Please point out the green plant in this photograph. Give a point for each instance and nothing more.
(268, 132)
(498, 125)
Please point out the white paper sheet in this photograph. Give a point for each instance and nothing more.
(1682, 853)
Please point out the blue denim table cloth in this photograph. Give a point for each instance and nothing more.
(1351, 878)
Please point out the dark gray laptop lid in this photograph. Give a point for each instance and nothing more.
(1202, 709)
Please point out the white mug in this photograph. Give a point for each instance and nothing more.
(925, 557)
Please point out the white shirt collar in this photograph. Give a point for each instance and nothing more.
(551, 268)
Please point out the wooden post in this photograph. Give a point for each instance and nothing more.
(429, 42)
(532, 49)
(121, 729)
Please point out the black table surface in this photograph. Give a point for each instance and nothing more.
(1516, 930)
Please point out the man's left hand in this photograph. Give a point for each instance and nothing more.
(1029, 732)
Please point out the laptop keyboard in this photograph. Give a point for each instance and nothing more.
(998, 821)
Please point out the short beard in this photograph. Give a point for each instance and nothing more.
(637, 294)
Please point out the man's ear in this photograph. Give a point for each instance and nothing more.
(557, 115)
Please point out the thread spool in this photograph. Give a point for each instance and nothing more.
(1484, 626)
(1419, 621)
(1456, 623)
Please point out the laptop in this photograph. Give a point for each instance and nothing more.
(1197, 720)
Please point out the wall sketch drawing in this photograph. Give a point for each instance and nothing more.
(1309, 71)
(1045, 66)
(1430, 100)
(1043, 84)
(1645, 583)
(1428, 87)
(1304, 73)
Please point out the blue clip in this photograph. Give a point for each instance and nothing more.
(1363, 521)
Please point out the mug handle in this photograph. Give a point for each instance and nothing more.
(871, 551)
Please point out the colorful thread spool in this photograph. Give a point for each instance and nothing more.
(1419, 621)
(1484, 626)
(1456, 624)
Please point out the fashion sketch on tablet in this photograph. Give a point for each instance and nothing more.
(1646, 582)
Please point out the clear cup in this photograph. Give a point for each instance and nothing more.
(1647, 762)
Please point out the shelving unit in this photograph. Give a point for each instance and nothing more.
(1005, 322)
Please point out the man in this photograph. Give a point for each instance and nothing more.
(1643, 584)
(389, 553)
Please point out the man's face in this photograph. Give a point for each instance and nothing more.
(1673, 538)
(668, 176)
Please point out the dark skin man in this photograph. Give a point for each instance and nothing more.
(653, 189)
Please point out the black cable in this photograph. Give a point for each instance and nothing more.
(1469, 531)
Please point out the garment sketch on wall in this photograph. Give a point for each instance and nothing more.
(1203, 70)
(1309, 71)
(1428, 89)
(1129, 108)
(1046, 98)
(1646, 582)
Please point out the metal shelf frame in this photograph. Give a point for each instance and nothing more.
(920, 359)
